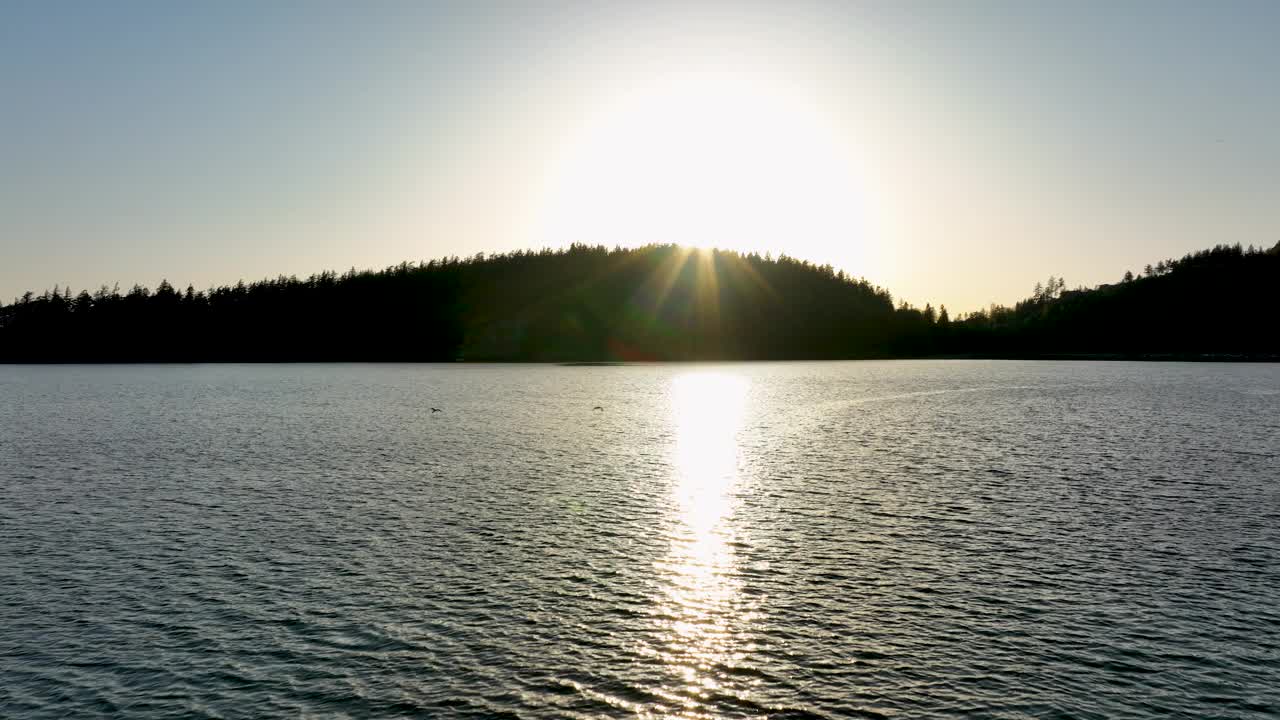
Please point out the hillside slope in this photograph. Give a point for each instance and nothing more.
(1220, 301)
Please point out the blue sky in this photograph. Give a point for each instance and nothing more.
(954, 152)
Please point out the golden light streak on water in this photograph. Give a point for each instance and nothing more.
(704, 611)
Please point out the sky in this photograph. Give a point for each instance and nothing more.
(952, 152)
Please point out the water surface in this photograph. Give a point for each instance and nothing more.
(896, 539)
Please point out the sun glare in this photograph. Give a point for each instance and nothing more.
(709, 159)
(706, 610)
(707, 408)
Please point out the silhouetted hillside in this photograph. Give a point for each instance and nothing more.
(1220, 301)
(659, 302)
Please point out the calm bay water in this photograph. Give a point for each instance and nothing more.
(897, 539)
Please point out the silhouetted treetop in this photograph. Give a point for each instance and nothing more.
(658, 302)
(1215, 301)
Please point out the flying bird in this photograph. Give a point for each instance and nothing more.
(597, 408)
(436, 410)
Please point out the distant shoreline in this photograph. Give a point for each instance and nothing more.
(591, 306)
(1124, 357)
(1047, 357)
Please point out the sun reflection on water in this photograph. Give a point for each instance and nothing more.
(703, 614)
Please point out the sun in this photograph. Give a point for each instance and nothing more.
(706, 158)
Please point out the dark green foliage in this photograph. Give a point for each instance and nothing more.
(1219, 301)
(401, 313)
(659, 302)
(583, 303)
(665, 303)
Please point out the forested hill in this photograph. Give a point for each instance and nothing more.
(659, 302)
(1218, 302)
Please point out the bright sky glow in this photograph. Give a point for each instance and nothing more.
(954, 152)
(708, 158)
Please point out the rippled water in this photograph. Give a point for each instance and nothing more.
(898, 539)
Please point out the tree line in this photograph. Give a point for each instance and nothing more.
(1217, 302)
(658, 302)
